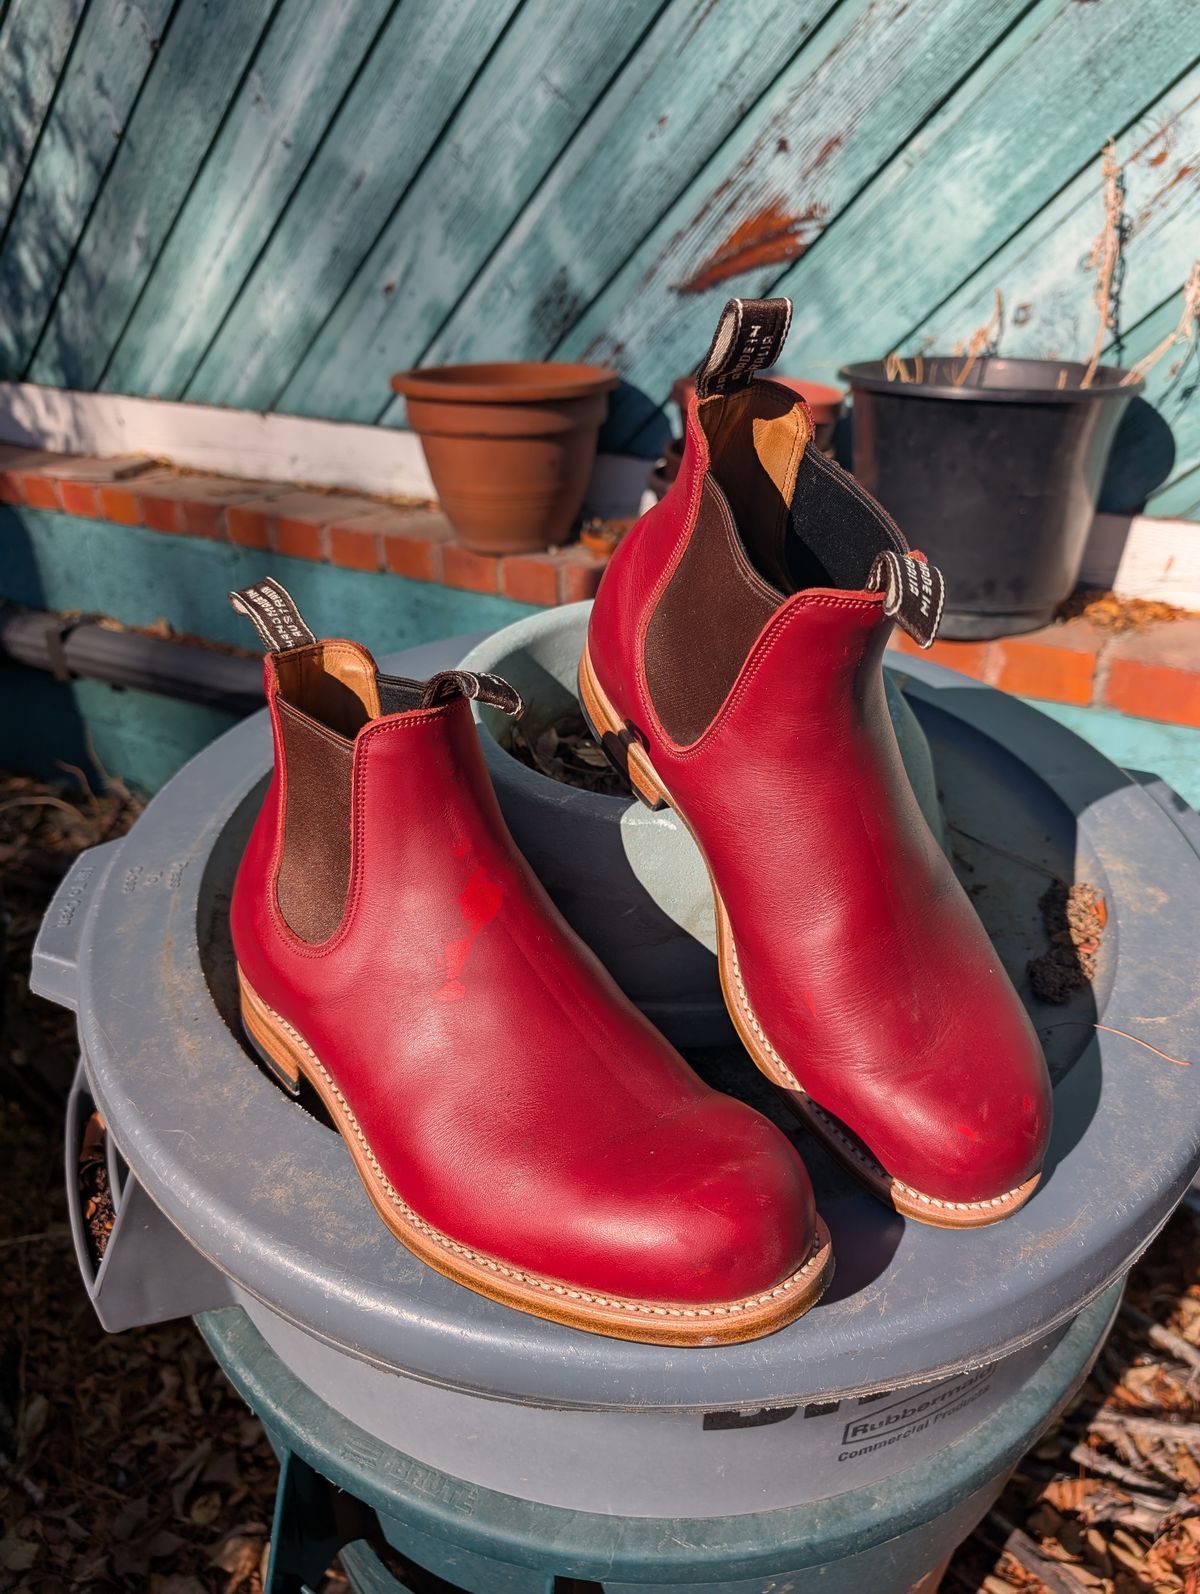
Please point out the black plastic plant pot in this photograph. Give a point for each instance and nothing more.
(995, 477)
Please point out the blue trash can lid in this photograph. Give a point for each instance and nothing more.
(137, 941)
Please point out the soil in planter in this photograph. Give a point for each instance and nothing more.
(98, 1210)
(566, 751)
(1074, 917)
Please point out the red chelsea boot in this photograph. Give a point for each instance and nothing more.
(733, 667)
(515, 1120)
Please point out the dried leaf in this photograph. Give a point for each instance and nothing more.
(206, 1508)
(18, 1555)
(238, 1554)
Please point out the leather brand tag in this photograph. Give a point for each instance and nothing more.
(274, 615)
(490, 689)
(913, 593)
(750, 336)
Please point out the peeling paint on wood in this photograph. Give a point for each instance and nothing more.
(837, 116)
(770, 238)
(1043, 269)
(612, 187)
(331, 190)
(34, 40)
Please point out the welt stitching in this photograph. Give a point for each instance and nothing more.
(830, 1123)
(518, 1275)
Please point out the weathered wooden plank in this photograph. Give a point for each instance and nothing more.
(204, 53)
(532, 95)
(116, 44)
(303, 67)
(1179, 498)
(34, 40)
(1043, 271)
(1173, 388)
(675, 99)
(839, 111)
(991, 158)
(423, 62)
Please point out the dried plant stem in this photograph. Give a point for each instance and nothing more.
(1186, 333)
(1153, 1429)
(983, 340)
(1106, 254)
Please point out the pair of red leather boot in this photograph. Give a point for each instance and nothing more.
(517, 1123)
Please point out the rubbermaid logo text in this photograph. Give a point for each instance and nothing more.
(908, 1411)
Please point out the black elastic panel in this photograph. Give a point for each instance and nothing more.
(397, 695)
(836, 528)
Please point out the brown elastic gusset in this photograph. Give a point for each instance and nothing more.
(692, 662)
(314, 871)
(757, 438)
(397, 694)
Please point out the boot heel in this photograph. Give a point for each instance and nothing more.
(272, 1043)
(622, 750)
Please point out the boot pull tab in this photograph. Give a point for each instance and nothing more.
(913, 593)
(489, 689)
(750, 336)
(272, 611)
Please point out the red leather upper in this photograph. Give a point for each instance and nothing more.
(861, 954)
(511, 1093)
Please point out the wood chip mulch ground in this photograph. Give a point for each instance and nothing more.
(127, 1463)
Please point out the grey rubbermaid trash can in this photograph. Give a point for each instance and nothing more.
(927, 1345)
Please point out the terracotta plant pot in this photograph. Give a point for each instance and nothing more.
(510, 447)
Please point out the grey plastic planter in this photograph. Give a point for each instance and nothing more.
(459, 1395)
(631, 882)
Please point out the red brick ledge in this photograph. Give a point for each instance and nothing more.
(1152, 672)
(345, 529)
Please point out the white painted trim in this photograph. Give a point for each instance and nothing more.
(1141, 557)
(1137, 556)
(380, 460)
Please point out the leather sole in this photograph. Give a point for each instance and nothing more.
(291, 1059)
(630, 757)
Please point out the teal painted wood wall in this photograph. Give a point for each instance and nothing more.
(273, 204)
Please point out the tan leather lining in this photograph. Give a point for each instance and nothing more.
(332, 682)
(759, 480)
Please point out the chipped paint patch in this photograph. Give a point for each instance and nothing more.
(771, 237)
